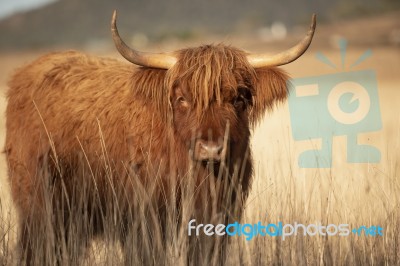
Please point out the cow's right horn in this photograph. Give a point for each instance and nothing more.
(153, 60)
(263, 60)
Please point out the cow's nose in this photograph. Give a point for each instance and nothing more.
(208, 151)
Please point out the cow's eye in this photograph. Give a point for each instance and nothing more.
(243, 99)
(239, 102)
(181, 101)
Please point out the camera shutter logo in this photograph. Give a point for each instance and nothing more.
(339, 104)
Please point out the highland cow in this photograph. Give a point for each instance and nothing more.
(78, 123)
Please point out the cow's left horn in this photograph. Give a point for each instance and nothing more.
(263, 60)
(154, 60)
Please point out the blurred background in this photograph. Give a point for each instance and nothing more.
(29, 28)
(44, 24)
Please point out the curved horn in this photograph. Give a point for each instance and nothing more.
(263, 60)
(154, 60)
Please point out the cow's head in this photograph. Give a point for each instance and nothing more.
(216, 91)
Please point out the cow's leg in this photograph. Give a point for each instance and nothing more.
(133, 241)
(76, 211)
(50, 233)
(142, 235)
(36, 239)
(25, 244)
(39, 243)
(25, 197)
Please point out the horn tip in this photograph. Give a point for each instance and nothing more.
(114, 15)
(313, 20)
(114, 19)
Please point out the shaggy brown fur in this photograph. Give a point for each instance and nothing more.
(68, 109)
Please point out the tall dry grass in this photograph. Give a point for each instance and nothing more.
(157, 235)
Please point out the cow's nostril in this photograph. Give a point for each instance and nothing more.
(212, 150)
(208, 151)
(219, 149)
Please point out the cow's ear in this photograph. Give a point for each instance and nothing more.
(270, 88)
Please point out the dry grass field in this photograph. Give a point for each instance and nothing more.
(354, 194)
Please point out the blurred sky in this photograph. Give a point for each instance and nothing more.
(8, 7)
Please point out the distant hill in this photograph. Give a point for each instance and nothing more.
(73, 23)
